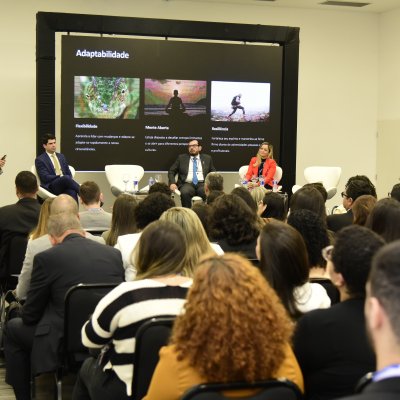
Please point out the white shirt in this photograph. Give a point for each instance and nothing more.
(200, 176)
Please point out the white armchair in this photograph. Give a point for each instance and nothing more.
(117, 173)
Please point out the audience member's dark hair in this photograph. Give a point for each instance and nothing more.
(371, 187)
(384, 219)
(160, 187)
(233, 220)
(352, 255)
(384, 282)
(203, 212)
(245, 195)
(314, 233)
(123, 218)
(362, 207)
(320, 187)
(151, 208)
(276, 206)
(214, 181)
(308, 198)
(283, 261)
(395, 193)
(89, 192)
(26, 182)
(359, 187)
(47, 137)
(213, 195)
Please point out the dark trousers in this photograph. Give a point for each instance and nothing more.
(65, 184)
(188, 190)
(96, 384)
(18, 342)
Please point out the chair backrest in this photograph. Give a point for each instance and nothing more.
(273, 389)
(12, 255)
(80, 302)
(242, 171)
(328, 176)
(278, 174)
(115, 175)
(150, 337)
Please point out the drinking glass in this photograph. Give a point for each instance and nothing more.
(125, 179)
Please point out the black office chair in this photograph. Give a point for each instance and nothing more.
(80, 302)
(150, 337)
(272, 389)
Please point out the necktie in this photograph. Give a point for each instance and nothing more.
(195, 180)
(56, 164)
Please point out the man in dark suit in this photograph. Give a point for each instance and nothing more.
(19, 218)
(53, 170)
(354, 188)
(32, 342)
(192, 170)
(383, 325)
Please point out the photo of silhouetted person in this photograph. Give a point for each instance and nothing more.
(175, 105)
(236, 104)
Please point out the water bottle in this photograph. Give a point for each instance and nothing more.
(275, 186)
(151, 181)
(135, 185)
(261, 180)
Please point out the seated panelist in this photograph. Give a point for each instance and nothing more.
(53, 170)
(263, 164)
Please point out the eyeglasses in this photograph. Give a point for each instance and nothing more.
(327, 253)
(343, 194)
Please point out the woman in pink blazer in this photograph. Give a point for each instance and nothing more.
(263, 164)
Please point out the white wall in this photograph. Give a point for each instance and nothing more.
(338, 78)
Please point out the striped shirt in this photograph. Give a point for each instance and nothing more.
(120, 313)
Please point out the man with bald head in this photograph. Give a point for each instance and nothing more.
(62, 203)
(32, 341)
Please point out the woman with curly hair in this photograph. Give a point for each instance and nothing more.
(233, 225)
(123, 219)
(222, 338)
(284, 263)
(197, 243)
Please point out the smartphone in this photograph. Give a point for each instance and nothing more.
(4, 157)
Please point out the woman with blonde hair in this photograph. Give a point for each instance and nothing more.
(234, 328)
(41, 227)
(197, 243)
(263, 164)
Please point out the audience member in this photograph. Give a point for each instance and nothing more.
(203, 212)
(197, 243)
(160, 187)
(331, 345)
(234, 328)
(61, 204)
(41, 227)
(94, 217)
(159, 289)
(19, 218)
(315, 235)
(211, 197)
(284, 263)
(245, 195)
(274, 206)
(123, 219)
(147, 211)
(233, 225)
(383, 325)
(320, 187)
(53, 170)
(308, 198)
(395, 192)
(192, 168)
(354, 188)
(213, 181)
(258, 194)
(32, 342)
(362, 207)
(384, 219)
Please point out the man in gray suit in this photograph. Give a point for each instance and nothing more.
(32, 342)
(192, 170)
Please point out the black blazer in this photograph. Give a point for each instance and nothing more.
(181, 166)
(336, 222)
(386, 389)
(75, 260)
